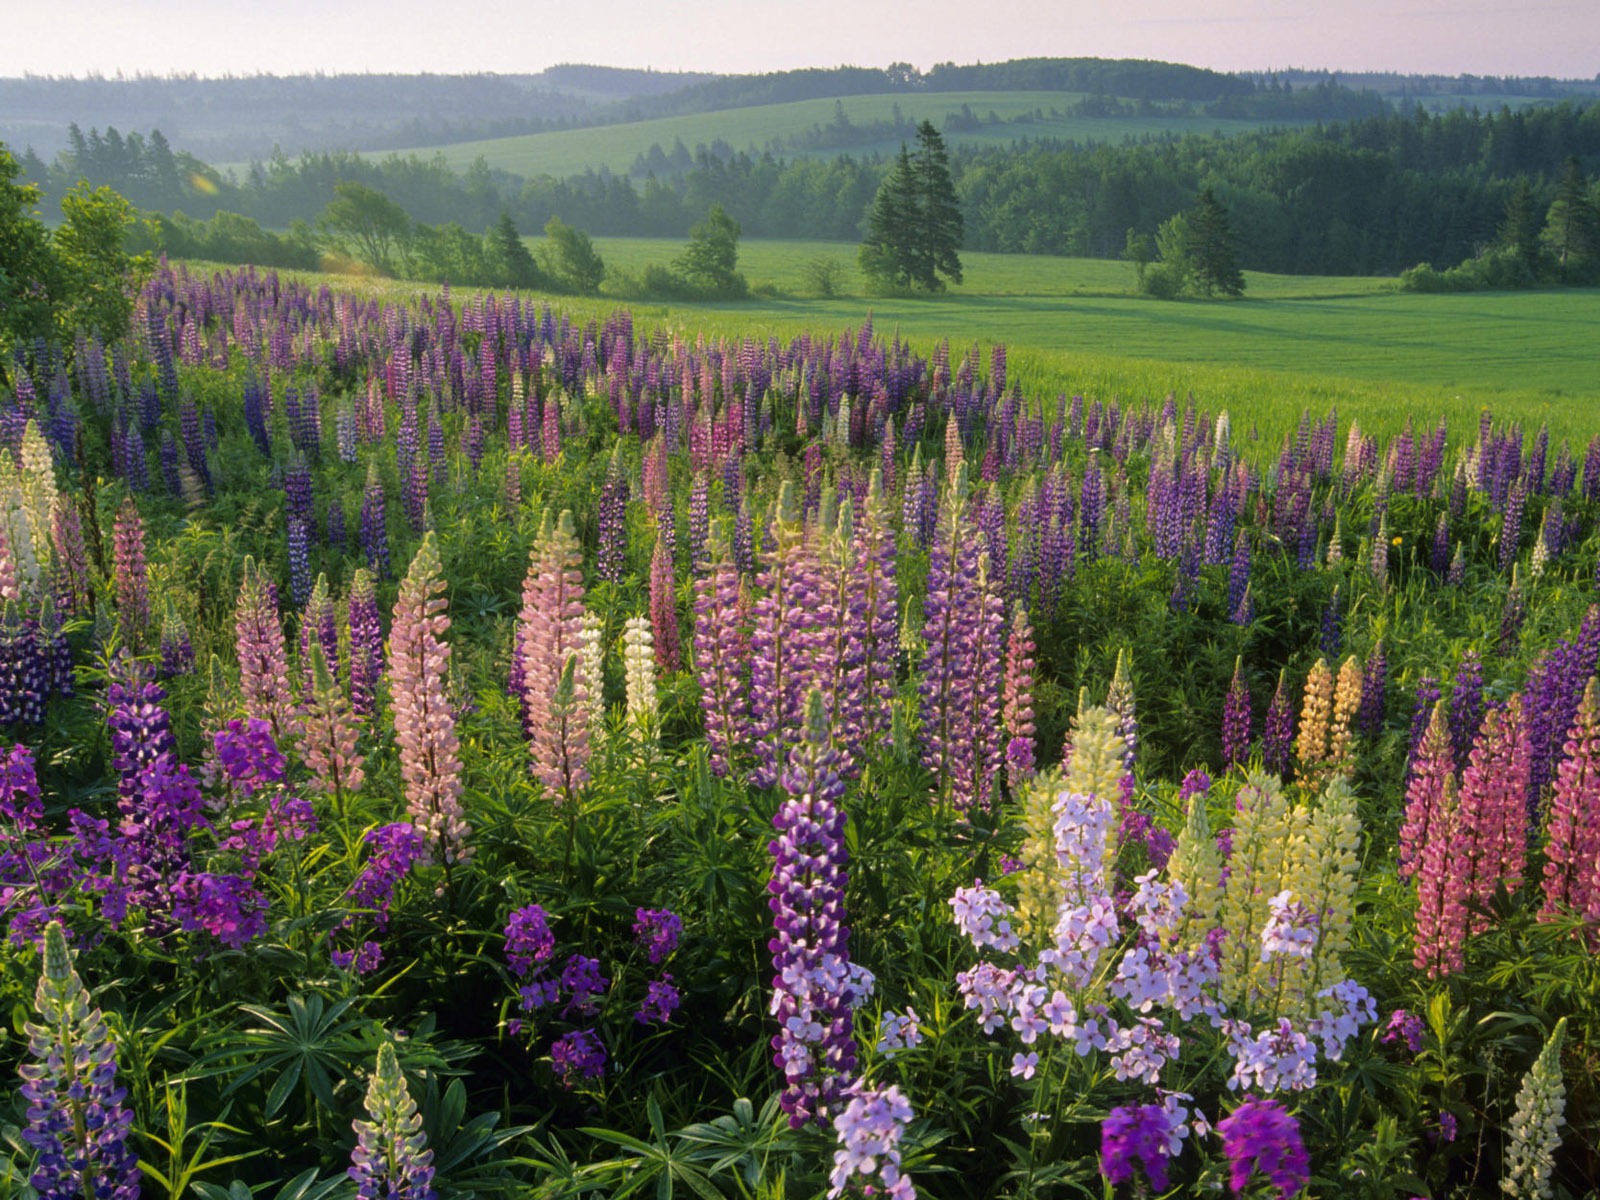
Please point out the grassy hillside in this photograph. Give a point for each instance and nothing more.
(569, 152)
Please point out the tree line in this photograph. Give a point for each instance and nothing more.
(1375, 196)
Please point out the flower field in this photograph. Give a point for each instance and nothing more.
(451, 750)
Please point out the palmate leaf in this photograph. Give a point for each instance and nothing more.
(307, 1039)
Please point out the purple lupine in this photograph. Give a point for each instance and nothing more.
(319, 624)
(1277, 737)
(177, 649)
(975, 765)
(1374, 691)
(1261, 1137)
(70, 563)
(391, 1160)
(841, 616)
(299, 562)
(1332, 625)
(874, 598)
(1236, 718)
(1239, 579)
(721, 659)
(1427, 696)
(1513, 612)
(1439, 557)
(1511, 525)
(783, 642)
(366, 644)
(612, 519)
(814, 989)
(699, 517)
(375, 525)
(950, 612)
(1466, 705)
(78, 1119)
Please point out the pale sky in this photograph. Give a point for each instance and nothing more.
(216, 37)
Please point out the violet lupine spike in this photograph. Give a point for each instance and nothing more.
(128, 566)
(375, 525)
(783, 641)
(1466, 705)
(874, 595)
(1374, 691)
(1277, 738)
(1016, 714)
(366, 644)
(1571, 882)
(699, 517)
(319, 623)
(722, 659)
(841, 616)
(264, 683)
(549, 632)
(815, 990)
(949, 610)
(391, 1160)
(664, 609)
(423, 715)
(1236, 718)
(975, 766)
(612, 519)
(78, 1119)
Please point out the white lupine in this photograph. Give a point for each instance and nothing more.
(37, 477)
(639, 669)
(1536, 1125)
(591, 665)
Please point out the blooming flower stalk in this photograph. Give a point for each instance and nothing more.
(264, 682)
(1260, 1137)
(721, 657)
(1572, 845)
(1536, 1125)
(639, 670)
(870, 1129)
(548, 635)
(391, 1159)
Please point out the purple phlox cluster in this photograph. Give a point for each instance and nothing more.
(660, 1002)
(1141, 1049)
(1150, 1135)
(657, 931)
(582, 982)
(363, 960)
(869, 1131)
(228, 907)
(247, 759)
(1345, 1008)
(1291, 928)
(396, 848)
(898, 1032)
(576, 1056)
(1261, 1136)
(1281, 1058)
(983, 917)
(21, 804)
(286, 817)
(1405, 1027)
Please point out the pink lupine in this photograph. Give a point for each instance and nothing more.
(1425, 792)
(328, 732)
(783, 642)
(424, 718)
(548, 634)
(264, 683)
(722, 658)
(1572, 846)
(132, 585)
(875, 595)
(664, 609)
(1441, 912)
(1490, 843)
(1017, 713)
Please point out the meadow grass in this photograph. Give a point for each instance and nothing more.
(1076, 327)
(573, 151)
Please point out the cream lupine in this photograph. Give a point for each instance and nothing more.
(1262, 828)
(1196, 864)
(591, 665)
(639, 670)
(1536, 1125)
(424, 719)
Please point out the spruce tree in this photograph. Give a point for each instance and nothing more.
(941, 214)
(888, 250)
(513, 263)
(1571, 227)
(1211, 252)
(914, 226)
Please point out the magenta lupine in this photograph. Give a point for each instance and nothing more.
(1441, 930)
(423, 715)
(366, 644)
(1261, 1137)
(722, 659)
(319, 625)
(783, 641)
(328, 733)
(264, 682)
(128, 568)
(1236, 718)
(1490, 842)
(874, 596)
(1425, 793)
(549, 635)
(664, 609)
(1572, 845)
(78, 1121)
(814, 987)
(1016, 714)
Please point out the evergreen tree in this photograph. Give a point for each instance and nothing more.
(914, 228)
(1211, 251)
(510, 257)
(1519, 230)
(1571, 227)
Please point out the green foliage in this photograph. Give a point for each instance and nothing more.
(363, 223)
(571, 259)
(914, 228)
(707, 265)
(509, 255)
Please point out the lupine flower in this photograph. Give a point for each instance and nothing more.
(128, 568)
(722, 658)
(78, 1122)
(814, 988)
(785, 642)
(1346, 705)
(1261, 1137)
(1316, 715)
(1441, 911)
(366, 644)
(1017, 713)
(1536, 1126)
(612, 520)
(424, 718)
(1278, 735)
(1490, 834)
(664, 609)
(328, 733)
(177, 651)
(870, 1130)
(1374, 686)
(375, 524)
(875, 597)
(1425, 792)
(391, 1160)
(1572, 846)
(263, 660)
(548, 632)
(639, 671)
(1236, 718)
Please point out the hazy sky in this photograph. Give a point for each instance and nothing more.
(215, 37)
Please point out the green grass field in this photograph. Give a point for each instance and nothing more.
(1075, 326)
(572, 151)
